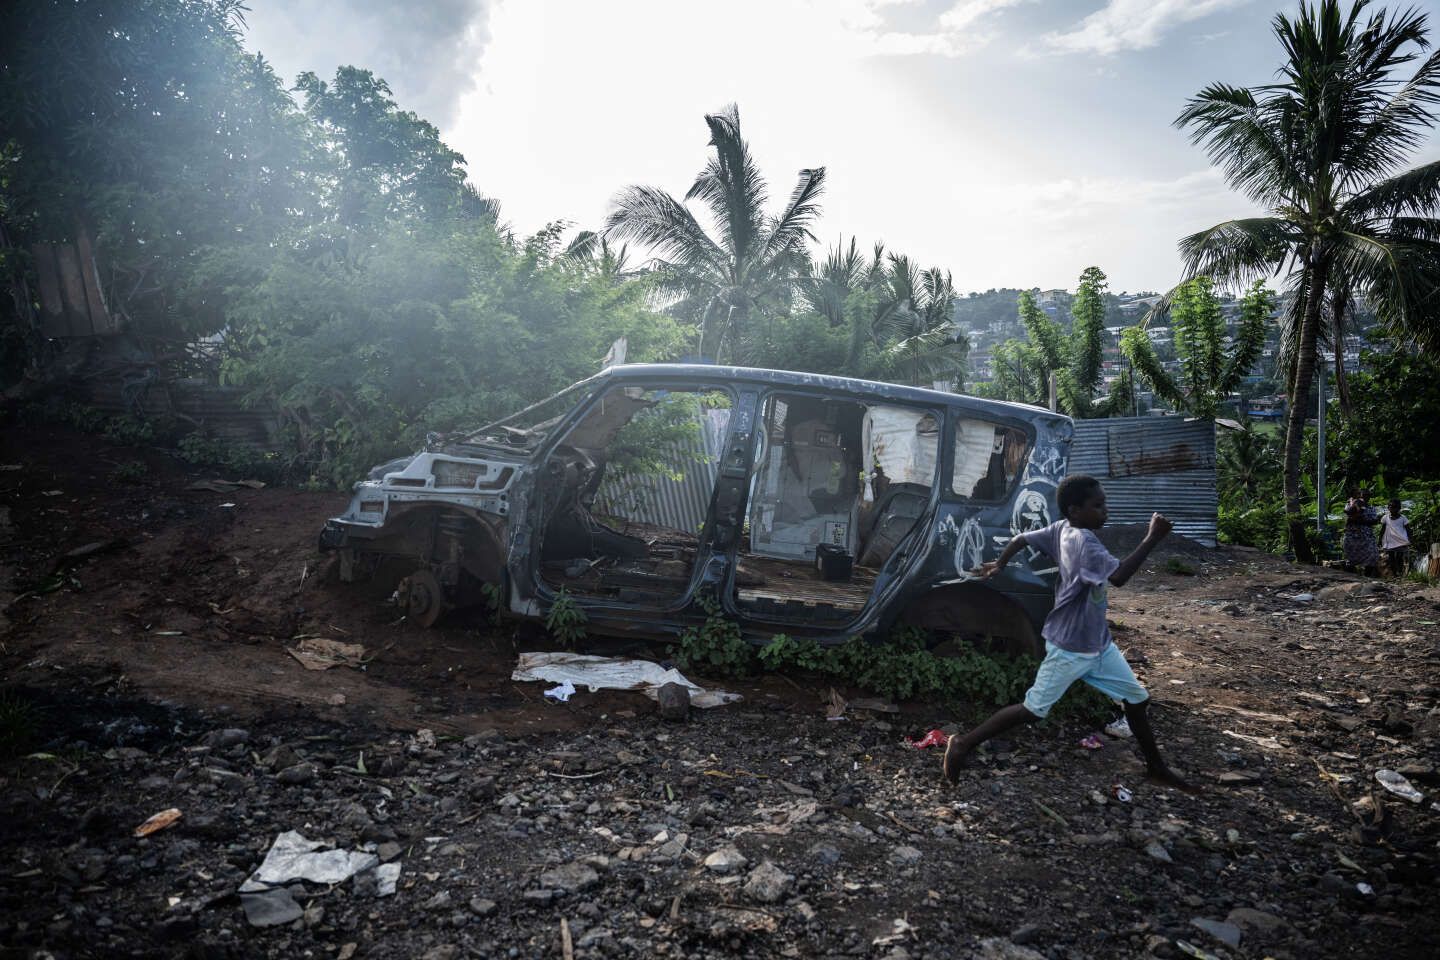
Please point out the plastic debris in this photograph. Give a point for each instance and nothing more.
(317, 653)
(1119, 729)
(1092, 742)
(1365, 889)
(161, 820)
(292, 857)
(563, 692)
(1398, 785)
(612, 673)
(1189, 949)
(935, 738)
(1121, 793)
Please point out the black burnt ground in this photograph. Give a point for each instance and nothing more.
(157, 677)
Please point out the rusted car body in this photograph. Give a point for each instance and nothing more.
(651, 495)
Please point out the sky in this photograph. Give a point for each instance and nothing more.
(1011, 142)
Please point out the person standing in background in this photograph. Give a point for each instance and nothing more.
(1361, 553)
(1395, 540)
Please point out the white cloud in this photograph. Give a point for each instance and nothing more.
(1132, 24)
(956, 29)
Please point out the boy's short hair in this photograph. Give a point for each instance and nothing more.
(1074, 491)
(1395, 502)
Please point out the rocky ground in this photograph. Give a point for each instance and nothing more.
(154, 673)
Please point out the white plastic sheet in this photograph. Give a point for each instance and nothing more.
(612, 673)
(292, 857)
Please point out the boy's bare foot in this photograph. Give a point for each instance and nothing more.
(1164, 777)
(955, 754)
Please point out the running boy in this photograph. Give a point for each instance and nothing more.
(1078, 645)
(1395, 539)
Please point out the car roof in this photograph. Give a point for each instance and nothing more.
(865, 388)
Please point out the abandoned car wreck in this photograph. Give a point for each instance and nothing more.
(653, 495)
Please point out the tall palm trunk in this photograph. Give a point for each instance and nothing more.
(1319, 269)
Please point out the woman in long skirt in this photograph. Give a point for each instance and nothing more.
(1361, 552)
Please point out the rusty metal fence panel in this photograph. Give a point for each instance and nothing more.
(1152, 463)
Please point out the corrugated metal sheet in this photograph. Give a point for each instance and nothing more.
(216, 410)
(1152, 463)
(677, 504)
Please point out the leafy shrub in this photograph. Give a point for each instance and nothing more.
(1179, 567)
(901, 668)
(131, 471)
(566, 621)
(230, 457)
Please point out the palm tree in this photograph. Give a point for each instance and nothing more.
(753, 262)
(899, 316)
(1321, 148)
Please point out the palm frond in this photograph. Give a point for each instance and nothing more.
(1239, 251)
(1400, 277)
(655, 219)
(791, 229)
(1414, 192)
(732, 187)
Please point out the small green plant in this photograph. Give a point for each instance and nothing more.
(494, 597)
(230, 457)
(565, 620)
(1179, 567)
(716, 646)
(131, 471)
(129, 430)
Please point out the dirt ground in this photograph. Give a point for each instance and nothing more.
(145, 634)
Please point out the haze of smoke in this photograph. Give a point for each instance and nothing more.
(427, 51)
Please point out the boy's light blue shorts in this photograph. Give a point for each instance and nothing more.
(1106, 671)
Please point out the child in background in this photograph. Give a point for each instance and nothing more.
(1395, 540)
(1078, 645)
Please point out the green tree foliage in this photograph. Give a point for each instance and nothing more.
(749, 269)
(1389, 438)
(1323, 149)
(879, 317)
(1087, 339)
(353, 279)
(1209, 372)
(1023, 368)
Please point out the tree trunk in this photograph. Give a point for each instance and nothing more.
(1299, 409)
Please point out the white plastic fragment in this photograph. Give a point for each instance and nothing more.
(1398, 785)
(386, 876)
(563, 692)
(292, 857)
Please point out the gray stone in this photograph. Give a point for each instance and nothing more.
(538, 896)
(825, 853)
(905, 855)
(1028, 933)
(445, 951)
(229, 737)
(441, 901)
(1256, 922)
(674, 702)
(998, 948)
(1156, 850)
(727, 859)
(570, 878)
(482, 907)
(388, 851)
(279, 758)
(1226, 933)
(270, 908)
(297, 774)
(767, 883)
